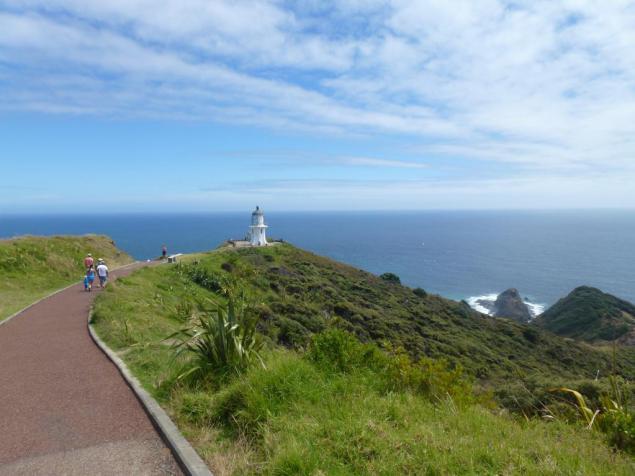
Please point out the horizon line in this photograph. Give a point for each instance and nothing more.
(325, 210)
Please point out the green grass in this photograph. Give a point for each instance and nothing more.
(32, 267)
(301, 416)
(300, 420)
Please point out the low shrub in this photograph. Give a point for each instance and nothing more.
(391, 278)
(420, 292)
(338, 351)
(291, 333)
(227, 266)
(431, 378)
(206, 279)
(619, 426)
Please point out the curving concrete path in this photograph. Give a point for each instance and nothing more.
(64, 407)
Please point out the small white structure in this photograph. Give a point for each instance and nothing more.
(257, 230)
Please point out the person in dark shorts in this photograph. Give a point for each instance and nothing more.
(164, 251)
(102, 273)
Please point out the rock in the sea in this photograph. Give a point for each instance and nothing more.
(510, 304)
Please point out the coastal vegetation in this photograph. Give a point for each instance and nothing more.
(355, 375)
(297, 293)
(32, 267)
(591, 315)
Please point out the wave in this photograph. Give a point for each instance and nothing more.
(485, 304)
(474, 303)
(535, 308)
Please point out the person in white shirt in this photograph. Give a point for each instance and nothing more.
(102, 273)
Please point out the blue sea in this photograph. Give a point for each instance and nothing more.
(458, 254)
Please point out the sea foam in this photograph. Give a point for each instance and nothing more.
(534, 308)
(474, 304)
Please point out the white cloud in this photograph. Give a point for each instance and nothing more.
(372, 162)
(495, 194)
(541, 84)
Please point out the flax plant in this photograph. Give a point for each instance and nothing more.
(221, 341)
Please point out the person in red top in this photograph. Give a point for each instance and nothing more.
(88, 261)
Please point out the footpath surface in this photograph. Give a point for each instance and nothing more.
(64, 407)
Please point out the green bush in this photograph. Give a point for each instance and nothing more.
(619, 425)
(338, 351)
(227, 266)
(431, 378)
(420, 292)
(291, 333)
(391, 278)
(206, 279)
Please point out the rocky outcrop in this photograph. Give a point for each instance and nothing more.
(510, 304)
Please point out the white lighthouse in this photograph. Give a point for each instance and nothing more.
(257, 230)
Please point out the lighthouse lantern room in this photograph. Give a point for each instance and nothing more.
(257, 230)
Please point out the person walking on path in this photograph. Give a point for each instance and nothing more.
(88, 261)
(164, 252)
(102, 272)
(89, 278)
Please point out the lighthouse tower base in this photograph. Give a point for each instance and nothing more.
(257, 235)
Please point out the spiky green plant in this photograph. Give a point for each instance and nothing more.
(613, 418)
(617, 419)
(221, 341)
(587, 414)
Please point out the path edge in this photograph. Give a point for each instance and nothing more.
(16, 314)
(187, 457)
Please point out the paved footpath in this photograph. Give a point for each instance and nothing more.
(64, 407)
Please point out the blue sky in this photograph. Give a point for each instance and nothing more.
(124, 105)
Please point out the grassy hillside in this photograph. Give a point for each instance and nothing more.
(32, 267)
(297, 293)
(300, 293)
(591, 315)
(302, 416)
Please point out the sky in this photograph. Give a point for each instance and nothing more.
(200, 105)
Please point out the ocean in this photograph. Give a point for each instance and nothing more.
(457, 254)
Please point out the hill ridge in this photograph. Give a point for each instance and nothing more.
(591, 315)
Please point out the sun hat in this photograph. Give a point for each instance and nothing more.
(89, 254)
